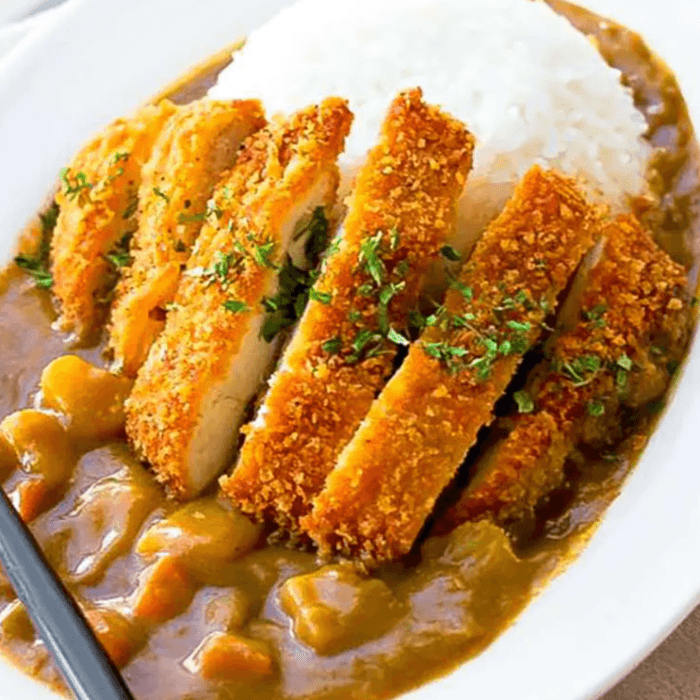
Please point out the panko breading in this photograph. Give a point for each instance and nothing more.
(634, 322)
(419, 430)
(402, 210)
(97, 201)
(198, 144)
(202, 372)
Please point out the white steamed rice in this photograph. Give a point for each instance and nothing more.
(528, 85)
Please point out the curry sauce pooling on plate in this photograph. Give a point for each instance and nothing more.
(193, 599)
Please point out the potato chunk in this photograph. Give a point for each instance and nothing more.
(43, 450)
(228, 657)
(336, 608)
(203, 533)
(91, 398)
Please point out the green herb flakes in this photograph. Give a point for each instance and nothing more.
(77, 186)
(159, 193)
(235, 306)
(321, 297)
(332, 346)
(524, 401)
(596, 408)
(450, 253)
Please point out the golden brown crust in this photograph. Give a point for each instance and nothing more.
(275, 171)
(404, 204)
(418, 431)
(195, 148)
(96, 212)
(635, 299)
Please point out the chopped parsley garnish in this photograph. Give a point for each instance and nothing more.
(395, 337)
(372, 261)
(332, 346)
(131, 208)
(595, 315)
(287, 306)
(581, 370)
(625, 362)
(37, 265)
(321, 297)
(180, 246)
(235, 306)
(119, 259)
(465, 291)
(449, 253)
(261, 254)
(211, 210)
(672, 367)
(596, 408)
(524, 401)
(77, 186)
(37, 268)
(159, 193)
(521, 327)
(316, 232)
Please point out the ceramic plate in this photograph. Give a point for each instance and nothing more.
(639, 576)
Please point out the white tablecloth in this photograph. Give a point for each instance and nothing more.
(672, 672)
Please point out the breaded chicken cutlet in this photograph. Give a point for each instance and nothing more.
(402, 210)
(97, 200)
(633, 325)
(191, 394)
(417, 433)
(198, 144)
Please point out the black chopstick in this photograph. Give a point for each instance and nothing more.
(61, 625)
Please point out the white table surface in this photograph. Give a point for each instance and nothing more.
(672, 672)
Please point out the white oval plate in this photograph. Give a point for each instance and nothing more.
(639, 576)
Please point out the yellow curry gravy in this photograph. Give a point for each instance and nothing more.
(366, 637)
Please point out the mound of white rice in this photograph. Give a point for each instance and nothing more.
(528, 85)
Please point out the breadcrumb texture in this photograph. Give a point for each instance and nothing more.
(635, 306)
(276, 169)
(404, 206)
(197, 145)
(419, 430)
(96, 199)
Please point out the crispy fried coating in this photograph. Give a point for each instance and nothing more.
(198, 144)
(419, 430)
(191, 394)
(634, 322)
(402, 210)
(97, 201)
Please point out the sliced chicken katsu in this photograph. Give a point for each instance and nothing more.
(98, 201)
(204, 369)
(633, 327)
(419, 430)
(402, 210)
(198, 144)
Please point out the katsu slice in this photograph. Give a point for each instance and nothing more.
(402, 210)
(419, 430)
(198, 144)
(632, 330)
(98, 201)
(191, 395)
